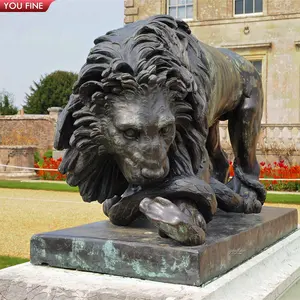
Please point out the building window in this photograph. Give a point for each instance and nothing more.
(181, 9)
(258, 65)
(248, 6)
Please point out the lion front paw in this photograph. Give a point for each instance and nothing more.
(172, 222)
(108, 203)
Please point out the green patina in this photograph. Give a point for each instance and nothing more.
(166, 270)
(74, 258)
(38, 246)
(184, 264)
(141, 270)
(112, 257)
(182, 229)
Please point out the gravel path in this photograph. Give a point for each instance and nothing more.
(26, 212)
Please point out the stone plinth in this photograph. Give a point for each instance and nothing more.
(139, 252)
(263, 277)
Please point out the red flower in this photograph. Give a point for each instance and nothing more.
(50, 163)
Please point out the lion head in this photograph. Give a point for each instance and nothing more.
(139, 132)
(137, 112)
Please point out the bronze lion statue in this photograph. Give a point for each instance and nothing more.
(141, 129)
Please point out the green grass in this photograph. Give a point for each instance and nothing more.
(283, 198)
(54, 186)
(7, 261)
(13, 184)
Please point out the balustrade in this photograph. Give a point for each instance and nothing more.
(272, 137)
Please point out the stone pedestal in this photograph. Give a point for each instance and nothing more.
(266, 276)
(139, 252)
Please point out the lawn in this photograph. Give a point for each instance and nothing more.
(45, 186)
(7, 261)
(61, 187)
(283, 198)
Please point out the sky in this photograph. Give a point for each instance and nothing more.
(35, 44)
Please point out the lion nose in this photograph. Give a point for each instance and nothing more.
(153, 174)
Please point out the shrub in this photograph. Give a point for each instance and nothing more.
(7, 106)
(48, 153)
(51, 90)
(37, 157)
(40, 160)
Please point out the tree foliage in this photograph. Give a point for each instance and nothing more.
(7, 106)
(52, 90)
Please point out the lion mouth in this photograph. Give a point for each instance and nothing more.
(153, 174)
(144, 174)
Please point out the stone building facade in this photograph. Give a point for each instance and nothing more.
(266, 32)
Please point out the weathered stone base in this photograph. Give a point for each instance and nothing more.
(139, 252)
(264, 277)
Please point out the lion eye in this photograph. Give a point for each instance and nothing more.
(131, 133)
(167, 129)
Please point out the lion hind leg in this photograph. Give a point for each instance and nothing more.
(227, 199)
(217, 155)
(244, 128)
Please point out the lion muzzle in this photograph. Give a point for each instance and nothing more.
(153, 174)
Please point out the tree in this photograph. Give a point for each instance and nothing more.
(52, 90)
(7, 106)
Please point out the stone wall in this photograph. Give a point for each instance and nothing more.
(140, 9)
(20, 136)
(27, 130)
(278, 7)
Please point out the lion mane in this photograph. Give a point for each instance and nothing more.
(158, 53)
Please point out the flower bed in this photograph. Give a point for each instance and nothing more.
(49, 163)
(278, 171)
